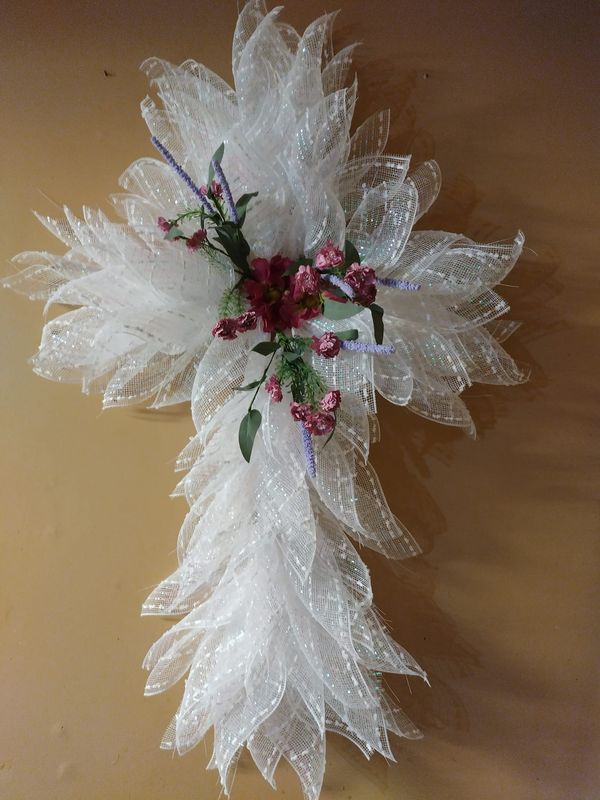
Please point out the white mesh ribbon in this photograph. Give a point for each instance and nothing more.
(278, 636)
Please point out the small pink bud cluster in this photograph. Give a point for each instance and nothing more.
(322, 422)
(215, 189)
(273, 387)
(229, 327)
(329, 256)
(328, 345)
(197, 239)
(363, 282)
(193, 242)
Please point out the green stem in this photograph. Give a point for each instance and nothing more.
(190, 215)
(262, 380)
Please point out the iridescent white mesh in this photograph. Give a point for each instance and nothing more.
(278, 634)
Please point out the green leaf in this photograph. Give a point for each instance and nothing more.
(290, 356)
(377, 314)
(351, 253)
(248, 429)
(248, 386)
(347, 335)
(242, 206)
(244, 200)
(218, 156)
(174, 233)
(334, 310)
(234, 244)
(265, 348)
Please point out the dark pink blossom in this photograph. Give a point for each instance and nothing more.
(331, 401)
(269, 294)
(328, 345)
(225, 329)
(300, 411)
(216, 189)
(319, 423)
(273, 387)
(197, 239)
(164, 224)
(246, 322)
(329, 256)
(363, 282)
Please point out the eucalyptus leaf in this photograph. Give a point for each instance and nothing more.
(265, 348)
(334, 310)
(351, 253)
(174, 233)
(248, 429)
(377, 314)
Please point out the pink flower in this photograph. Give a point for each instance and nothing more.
(164, 224)
(197, 239)
(331, 401)
(246, 322)
(273, 387)
(328, 345)
(329, 256)
(319, 423)
(204, 189)
(216, 189)
(363, 282)
(300, 411)
(225, 329)
(305, 283)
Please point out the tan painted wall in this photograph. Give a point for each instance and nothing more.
(501, 609)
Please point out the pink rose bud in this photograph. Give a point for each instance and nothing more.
(363, 282)
(319, 423)
(197, 239)
(305, 283)
(225, 329)
(204, 189)
(329, 256)
(273, 387)
(164, 224)
(331, 401)
(300, 411)
(246, 321)
(216, 189)
(328, 345)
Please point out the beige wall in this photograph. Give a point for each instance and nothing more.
(501, 608)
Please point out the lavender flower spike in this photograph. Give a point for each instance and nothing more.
(226, 191)
(394, 283)
(345, 287)
(367, 347)
(309, 453)
(168, 156)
